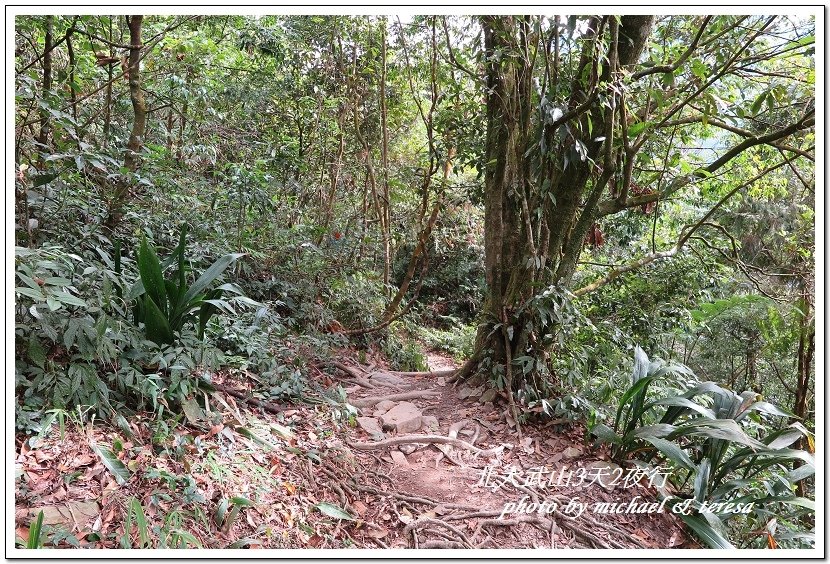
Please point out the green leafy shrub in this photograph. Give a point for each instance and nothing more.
(457, 341)
(453, 286)
(726, 445)
(70, 354)
(165, 306)
(403, 352)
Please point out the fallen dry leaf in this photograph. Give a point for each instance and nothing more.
(377, 532)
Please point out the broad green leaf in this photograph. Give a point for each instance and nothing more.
(206, 311)
(684, 402)
(156, 325)
(69, 299)
(605, 433)
(769, 409)
(800, 473)
(701, 488)
(28, 281)
(635, 396)
(113, 464)
(641, 364)
(34, 294)
(33, 542)
(180, 539)
(241, 501)
(179, 254)
(333, 511)
(672, 452)
(43, 179)
(725, 429)
(657, 430)
(37, 353)
(136, 290)
(209, 276)
(756, 105)
(231, 287)
(706, 532)
(149, 268)
(784, 439)
(144, 539)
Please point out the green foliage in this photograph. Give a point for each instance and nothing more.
(727, 445)
(458, 341)
(35, 531)
(453, 286)
(164, 306)
(404, 352)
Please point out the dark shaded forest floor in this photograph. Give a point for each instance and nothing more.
(234, 476)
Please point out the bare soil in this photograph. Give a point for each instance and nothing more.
(304, 484)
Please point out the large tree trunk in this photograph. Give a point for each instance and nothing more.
(542, 186)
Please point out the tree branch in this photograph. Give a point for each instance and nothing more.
(610, 207)
(454, 61)
(684, 237)
(683, 58)
(738, 131)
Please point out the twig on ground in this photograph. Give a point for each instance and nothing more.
(267, 406)
(429, 439)
(417, 394)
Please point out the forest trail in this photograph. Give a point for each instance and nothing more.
(480, 492)
(305, 481)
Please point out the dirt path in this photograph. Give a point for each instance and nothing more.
(308, 480)
(445, 496)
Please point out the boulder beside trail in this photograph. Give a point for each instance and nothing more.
(405, 417)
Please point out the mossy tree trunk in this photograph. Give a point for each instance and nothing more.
(545, 170)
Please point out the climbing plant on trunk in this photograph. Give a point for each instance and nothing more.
(569, 109)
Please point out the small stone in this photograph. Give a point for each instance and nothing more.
(370, 425)
(572, 452)
(487, 396)
(403, 418)
(383, 407)
(399, 458)
(430, 422)
(407, 449)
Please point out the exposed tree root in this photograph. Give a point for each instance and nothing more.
(441, 544)
(467, 543)
(417, 394)
(429, 439)
(434, 373)
(351, 371)
(267, 406)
